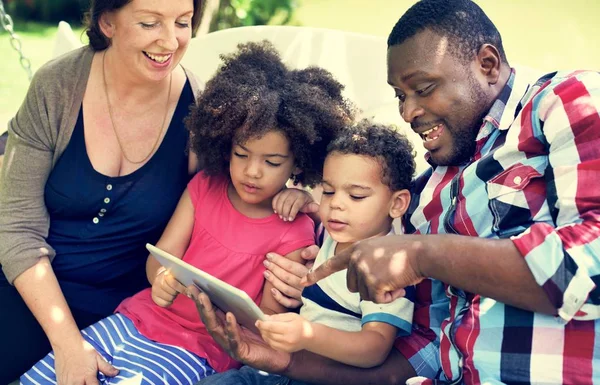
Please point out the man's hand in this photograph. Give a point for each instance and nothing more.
(79, 363)
(289, 202)
(165, 288)
(240, 343)
(285, 276)
(288, 332)
(378, 268)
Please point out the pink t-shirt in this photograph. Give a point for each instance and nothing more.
(228, 245)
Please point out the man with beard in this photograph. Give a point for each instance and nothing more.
(508, 215)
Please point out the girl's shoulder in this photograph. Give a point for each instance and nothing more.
(203, 186)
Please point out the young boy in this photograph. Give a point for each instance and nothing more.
(366, 180)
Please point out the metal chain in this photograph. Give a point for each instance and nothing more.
(15, 41)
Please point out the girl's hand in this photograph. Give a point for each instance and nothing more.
(287, 332)
(79, 363)
(290, 201)
(165, 288)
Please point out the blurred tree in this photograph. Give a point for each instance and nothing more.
(48, 10)
(219, 14)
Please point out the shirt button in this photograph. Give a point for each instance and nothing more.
(106, 200)
(460, 363)
(102, 210)
(95, 220)
(109, 187)
(517, 180)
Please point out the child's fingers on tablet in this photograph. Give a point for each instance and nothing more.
(174, 283)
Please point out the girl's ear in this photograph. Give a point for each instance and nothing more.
(107, 25)
(399, 203)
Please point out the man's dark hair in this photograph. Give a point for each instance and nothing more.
(462, 21)
(254, 93)
(390, 148)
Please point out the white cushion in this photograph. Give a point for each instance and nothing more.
(358, 61)
(65, 40)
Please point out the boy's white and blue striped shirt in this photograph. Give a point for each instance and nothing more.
(329, 302)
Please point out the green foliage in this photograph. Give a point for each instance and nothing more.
(48, 10)
(238, 13)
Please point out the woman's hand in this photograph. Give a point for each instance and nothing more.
(289, 202)
(165, 288)
(78, 363)
(285, 276)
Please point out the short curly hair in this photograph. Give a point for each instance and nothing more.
(462, 21)
(390, 148)
(254, 93)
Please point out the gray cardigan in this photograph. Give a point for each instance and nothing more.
(38, 135)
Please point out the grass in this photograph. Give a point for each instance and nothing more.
(563, 35)
(37, 42)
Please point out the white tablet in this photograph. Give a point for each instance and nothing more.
(226, 297)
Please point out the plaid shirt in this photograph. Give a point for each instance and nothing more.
(532, 180)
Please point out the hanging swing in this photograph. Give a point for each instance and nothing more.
(7, 24)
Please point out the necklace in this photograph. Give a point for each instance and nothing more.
(110, 114)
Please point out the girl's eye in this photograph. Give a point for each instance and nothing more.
(273, 164)
(237, 154)
(148, 25)
(357, 198)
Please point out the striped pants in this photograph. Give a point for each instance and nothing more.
(140, 361)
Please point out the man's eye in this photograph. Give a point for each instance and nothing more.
(401, 98)
(425, 90)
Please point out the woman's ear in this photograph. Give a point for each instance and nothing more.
(399, 203)
(107, 25)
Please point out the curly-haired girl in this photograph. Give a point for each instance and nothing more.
(366, 179)
(255, 125)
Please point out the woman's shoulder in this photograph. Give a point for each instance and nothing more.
(196, 84)
(65, 69)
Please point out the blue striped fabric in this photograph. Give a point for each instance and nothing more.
(140, 361)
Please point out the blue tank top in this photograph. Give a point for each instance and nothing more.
(99, 225)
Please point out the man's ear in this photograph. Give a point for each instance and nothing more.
(399, 203)
(489, 62)
(107, 26)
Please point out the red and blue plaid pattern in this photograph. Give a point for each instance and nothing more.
(535, 179)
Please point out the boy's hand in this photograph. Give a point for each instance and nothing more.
(287, 332)
(290, 201)
(165, 288)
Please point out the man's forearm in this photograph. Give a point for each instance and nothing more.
(489, 267)
(309, 367)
